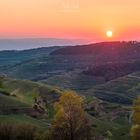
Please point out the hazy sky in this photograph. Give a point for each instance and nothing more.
(70, 18)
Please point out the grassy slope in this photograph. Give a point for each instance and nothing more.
(119, 131)
(127, 87)
(74, 81)
(21, 119)
(6, 101)
(24, 98)
(124, 89)
(117, 123)
(15, 57)
(24, 91)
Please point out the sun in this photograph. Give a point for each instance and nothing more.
(109, 33)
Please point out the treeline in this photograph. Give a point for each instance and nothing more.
(125, 49)
(112, 71)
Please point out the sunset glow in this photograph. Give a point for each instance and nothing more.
(109, 34)
(70, 19)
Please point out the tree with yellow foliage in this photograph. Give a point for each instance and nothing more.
(70, 121)
(135, 130)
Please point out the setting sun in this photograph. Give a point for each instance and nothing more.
(109, 34)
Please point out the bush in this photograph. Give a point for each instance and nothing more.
(9, 131)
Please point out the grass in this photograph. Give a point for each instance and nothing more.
(8, 101)
(122, 90)
(122, 133)
(74, 81)
(20, 95)
(23, 90)
(119, 131)
(21, 119)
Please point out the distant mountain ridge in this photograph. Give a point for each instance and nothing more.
(13, 57)
(108, 48)
(41, 63)
(73, 67)
(30, 43)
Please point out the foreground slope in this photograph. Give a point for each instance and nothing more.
(17, 99)
(122, 90)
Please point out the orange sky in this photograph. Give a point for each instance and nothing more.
(70, 19)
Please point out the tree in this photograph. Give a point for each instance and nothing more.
(1, 81)
(70, 121)
(108, 135)
(39, 104)
(135, 130)
(35, 94)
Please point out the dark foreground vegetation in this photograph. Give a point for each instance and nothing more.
(11, 131)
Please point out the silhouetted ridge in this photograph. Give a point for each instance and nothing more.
(104, 47)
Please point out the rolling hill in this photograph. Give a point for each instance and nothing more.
(73, 57)
(23, 90)
(17, 99)
(106, 74)
(81, 68)
(16, 56)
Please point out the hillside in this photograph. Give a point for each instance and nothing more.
(106, 49)
(14, 56)
(113, 70)
(80, 71)
(122, 90)
(70, 58)
(23, 90)
(17, 100)
(105, 74)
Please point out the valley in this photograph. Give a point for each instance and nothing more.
(106, 74)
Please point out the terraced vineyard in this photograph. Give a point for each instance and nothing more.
(122, 90)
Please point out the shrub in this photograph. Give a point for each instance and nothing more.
(10, 131)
